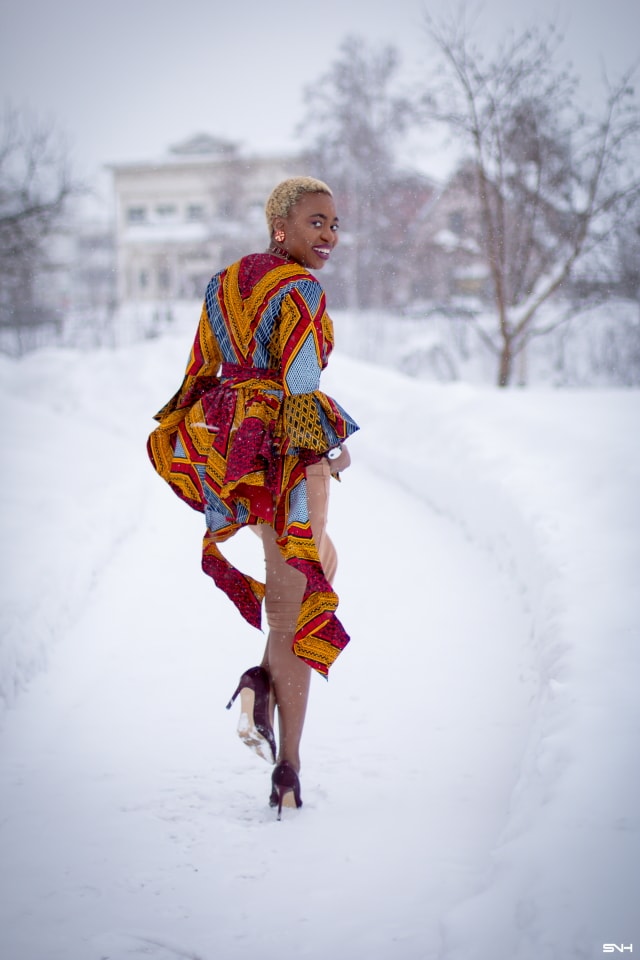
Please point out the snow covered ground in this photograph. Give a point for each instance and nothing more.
(471, 776)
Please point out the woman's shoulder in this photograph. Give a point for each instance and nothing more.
(257, 267)
(248, 270)
(266, 270)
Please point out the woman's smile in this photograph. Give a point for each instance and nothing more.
(311, 230)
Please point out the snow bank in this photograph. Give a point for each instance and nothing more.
(548, 483)
(61, 521)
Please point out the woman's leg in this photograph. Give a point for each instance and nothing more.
(290, 676)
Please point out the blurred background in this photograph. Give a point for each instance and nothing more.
(485, 161)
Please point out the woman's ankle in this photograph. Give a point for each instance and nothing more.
(292, 759)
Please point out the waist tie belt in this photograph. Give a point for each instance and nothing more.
(236, 375)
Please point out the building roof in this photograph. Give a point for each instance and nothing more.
(204, 144)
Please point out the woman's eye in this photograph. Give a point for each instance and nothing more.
(317, 225)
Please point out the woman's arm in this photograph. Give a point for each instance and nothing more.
(312, 420)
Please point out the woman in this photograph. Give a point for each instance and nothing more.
(250, 440)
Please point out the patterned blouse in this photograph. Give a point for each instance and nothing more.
(248, 418)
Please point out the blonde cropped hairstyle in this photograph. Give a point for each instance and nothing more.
(286, 195)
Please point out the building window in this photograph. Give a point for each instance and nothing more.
(456, 222)
(164, 279)
(137, 214)
(165, 211)
(143, 279)
(195, 211)
(225, 207)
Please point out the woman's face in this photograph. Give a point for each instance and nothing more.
(311, 230)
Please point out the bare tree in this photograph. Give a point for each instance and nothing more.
(627, 260)
(353, 120)
(35, 185)
(551, 183)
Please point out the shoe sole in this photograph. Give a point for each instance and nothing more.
(248, 732)
(289, 800)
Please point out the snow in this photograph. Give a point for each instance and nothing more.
(470, 771)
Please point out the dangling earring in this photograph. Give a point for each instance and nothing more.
(276, 249)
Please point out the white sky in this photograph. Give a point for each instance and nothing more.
(127, 78)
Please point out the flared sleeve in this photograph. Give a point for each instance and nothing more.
(312, 420)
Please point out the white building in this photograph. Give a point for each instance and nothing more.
(181, 218)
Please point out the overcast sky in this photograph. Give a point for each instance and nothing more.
(127, 78)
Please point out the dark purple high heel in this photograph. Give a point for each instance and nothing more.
(285, 791)
(254, 725)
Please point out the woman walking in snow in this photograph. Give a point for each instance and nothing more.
(250, 440)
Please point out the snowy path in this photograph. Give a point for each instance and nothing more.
(134, 823)
(471, 786)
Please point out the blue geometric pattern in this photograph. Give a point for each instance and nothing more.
(220, 331)
(327, 426)
(350, 425)
(217, 514)
(311, 291)
(264, 333)
(298, 504)
(303, 375)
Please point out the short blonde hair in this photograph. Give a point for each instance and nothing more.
(286, 195)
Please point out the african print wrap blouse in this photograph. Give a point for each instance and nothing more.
(248, 418)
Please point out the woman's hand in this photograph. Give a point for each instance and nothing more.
(339, 463)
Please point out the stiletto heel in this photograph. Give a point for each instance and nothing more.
(285, 790)
(254, 725)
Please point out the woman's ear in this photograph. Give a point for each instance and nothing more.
(277, 230)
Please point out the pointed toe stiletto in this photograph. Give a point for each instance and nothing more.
(254, 725)
(285, 790)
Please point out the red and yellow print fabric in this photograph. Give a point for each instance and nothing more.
(248, 418)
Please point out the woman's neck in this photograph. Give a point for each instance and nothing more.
(280, 252)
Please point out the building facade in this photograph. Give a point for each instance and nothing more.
(179, 219)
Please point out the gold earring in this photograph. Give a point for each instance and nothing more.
(278, 236)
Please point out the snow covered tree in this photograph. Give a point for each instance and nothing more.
(354, 118)
(35, 185)
(551, 183)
